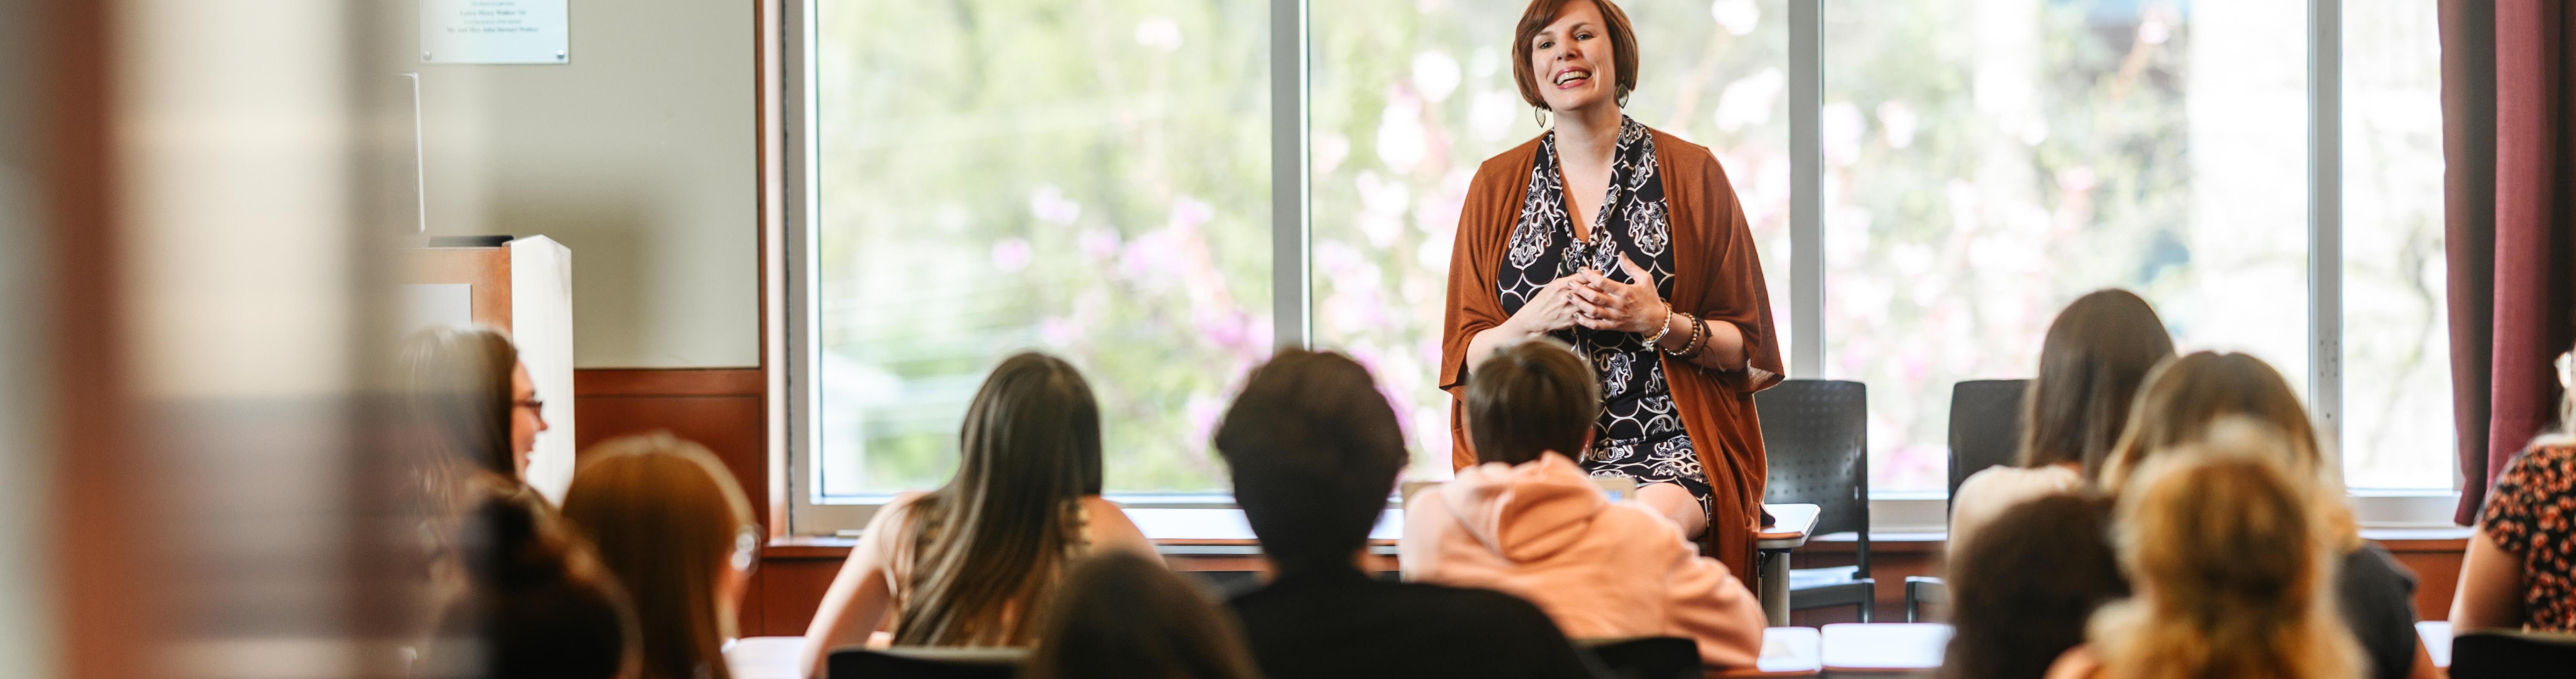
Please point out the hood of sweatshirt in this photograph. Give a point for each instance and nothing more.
(1525, 512)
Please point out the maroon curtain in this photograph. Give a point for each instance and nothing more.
(2508, 76)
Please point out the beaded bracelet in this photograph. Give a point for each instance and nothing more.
(1662, 329)
(1688, 348)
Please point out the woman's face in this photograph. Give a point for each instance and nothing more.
(1573, 62)
(527, 417)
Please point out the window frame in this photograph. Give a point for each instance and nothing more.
(1292, 283)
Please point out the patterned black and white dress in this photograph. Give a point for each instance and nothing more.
(1641, 436)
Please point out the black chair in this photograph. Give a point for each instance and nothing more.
(2498, 653)
(1985, 426)
(915, 662)
(1816, 434)
(1985, 431)
(1645, 657)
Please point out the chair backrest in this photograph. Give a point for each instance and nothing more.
(1985, 426)
(2477, 655)
(905, 662)
(1816, 435)
(1646, 657)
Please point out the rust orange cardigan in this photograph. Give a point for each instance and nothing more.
(1719, 279)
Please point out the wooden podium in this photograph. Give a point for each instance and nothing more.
(523, 287)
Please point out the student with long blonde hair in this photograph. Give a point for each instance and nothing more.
(2230, 567)
(968, 564)
(671, 523)
(2181, 405)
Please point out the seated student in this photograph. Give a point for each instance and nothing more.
(471, 400)
(2022, 589)
(2096, 354)
(2520, 570)
(1530, 523)
(668, 520)
(2228, 558)
(1123, 616)
(538, 605)
(964, 564)
(1314, 451)
(2179, 406)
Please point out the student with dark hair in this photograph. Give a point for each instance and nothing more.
(1314, 451)
(966, 564)
(537, 604)
(2021, 593)
(1123, 616)
(2096, 354)
(1530, 522)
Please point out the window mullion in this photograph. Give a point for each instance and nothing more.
(1291, 285)
(1806, 189)
(2325, 216)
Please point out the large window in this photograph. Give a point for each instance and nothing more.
(1098, 181)
(1410, 97)
(2396, 344)
(999, 175)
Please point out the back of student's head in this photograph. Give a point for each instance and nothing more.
(994, 541)
(2022, 588)
(2096, 354)
(1528, 398)
(2185, 397)
(536, 602)
(671, 523)
(458, 398)
(1314, 450)
(1121, 616)
(2232, 571)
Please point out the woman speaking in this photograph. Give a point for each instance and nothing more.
(1628, 244)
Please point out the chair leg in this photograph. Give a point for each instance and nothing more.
(1867, 607)
(1913, 608)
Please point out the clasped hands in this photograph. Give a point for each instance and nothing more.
(1590, 299)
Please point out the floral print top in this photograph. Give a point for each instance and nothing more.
(2528, 514)
(1641, 435)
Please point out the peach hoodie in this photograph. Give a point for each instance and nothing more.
(1541, 531)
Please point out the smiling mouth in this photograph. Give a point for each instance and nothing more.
(1572, 77)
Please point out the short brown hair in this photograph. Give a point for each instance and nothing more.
(1623, 46)
(1529, 398)
(1315, 450)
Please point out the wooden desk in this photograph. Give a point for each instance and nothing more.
(1786, 652)
(1883, 648)
(1790, 525)
(2437, 641)
(765, 657)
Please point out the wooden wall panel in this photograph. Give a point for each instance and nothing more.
(720, 409)
(790, 588)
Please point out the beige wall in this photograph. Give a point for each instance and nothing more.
(639, 155)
